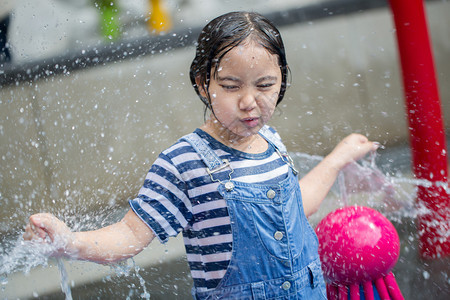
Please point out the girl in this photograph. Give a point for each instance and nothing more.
(230, 186)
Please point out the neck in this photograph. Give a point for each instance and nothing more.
(252, 143)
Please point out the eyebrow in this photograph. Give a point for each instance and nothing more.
(228, 78)
(259, 80)
(266, 78)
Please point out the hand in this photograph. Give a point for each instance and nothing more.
(351, 148)
(49, 229)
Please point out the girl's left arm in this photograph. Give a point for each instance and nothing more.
(317, 183)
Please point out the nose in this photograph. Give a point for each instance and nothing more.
(247, 100)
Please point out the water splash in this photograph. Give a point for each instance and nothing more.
(363, 183)
(124, 268)
(65, 287)
(24, 256)
(342, 188)
(392, 193)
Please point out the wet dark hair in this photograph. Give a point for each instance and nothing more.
(226, 32)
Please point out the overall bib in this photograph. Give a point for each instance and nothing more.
(274, 254)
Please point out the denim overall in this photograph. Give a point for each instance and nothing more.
(274, 252)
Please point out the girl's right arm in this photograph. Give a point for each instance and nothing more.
(112, 243)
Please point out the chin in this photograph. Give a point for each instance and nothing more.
(250, 131)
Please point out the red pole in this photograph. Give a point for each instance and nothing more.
(427, 136)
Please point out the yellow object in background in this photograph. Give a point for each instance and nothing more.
(159, 20)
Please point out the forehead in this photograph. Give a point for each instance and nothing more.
(249, 53)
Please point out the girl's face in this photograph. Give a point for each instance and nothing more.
(244, 90)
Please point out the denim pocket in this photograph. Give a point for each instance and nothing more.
(317, 282)
(279, 229)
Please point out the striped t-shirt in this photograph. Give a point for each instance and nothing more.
(178, 195)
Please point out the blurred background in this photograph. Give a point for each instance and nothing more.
(91, 91)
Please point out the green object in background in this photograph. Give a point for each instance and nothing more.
(109, 22)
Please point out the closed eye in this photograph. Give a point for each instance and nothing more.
(229, 83)
(265, 85)
(229, 87)
(266, 82)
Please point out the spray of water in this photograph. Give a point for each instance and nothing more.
(65, 287)
(363, 183)
(23, 256)
(392, 194)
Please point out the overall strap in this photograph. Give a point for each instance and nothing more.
(209, 157)
(275, 141)
(271, 138)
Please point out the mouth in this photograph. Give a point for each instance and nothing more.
(250, 122)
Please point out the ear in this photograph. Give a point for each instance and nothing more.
(201, 87)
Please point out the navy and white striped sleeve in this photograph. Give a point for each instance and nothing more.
(162, 202)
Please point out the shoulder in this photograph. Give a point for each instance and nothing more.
(179, 152)
(180, 157)
(184, 143)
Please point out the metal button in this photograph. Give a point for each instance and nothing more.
(271, 194)
(286, 285)
(278, 235)
(229, 186)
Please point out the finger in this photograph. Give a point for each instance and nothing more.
(363, 139)
(39, 220)
(28, 234)
(38, 226)
(377, 145)
(31, 234)
(38, 231)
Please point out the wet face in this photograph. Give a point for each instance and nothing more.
(244, 90)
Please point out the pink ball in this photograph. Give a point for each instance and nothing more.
(356, 244)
